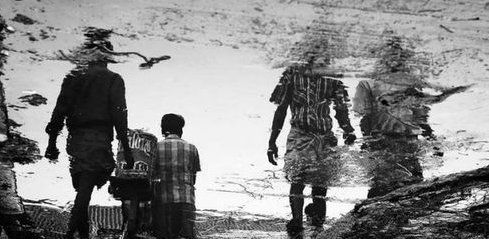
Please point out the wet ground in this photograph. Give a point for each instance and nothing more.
(220, 78)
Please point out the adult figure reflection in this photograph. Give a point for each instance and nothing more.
(92, 101)
(395, 114)
(308, 159)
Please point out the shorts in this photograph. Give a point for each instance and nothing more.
(311, 158)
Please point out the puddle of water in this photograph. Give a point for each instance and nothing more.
(223, 94)
(457, 161)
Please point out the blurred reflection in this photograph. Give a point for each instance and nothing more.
(394, 113)
(310, 158)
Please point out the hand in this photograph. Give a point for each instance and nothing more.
(52, 153)
(129, 160)
(272, 153)
(349, 138)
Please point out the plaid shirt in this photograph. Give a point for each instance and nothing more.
(309, 96)
(176, 167)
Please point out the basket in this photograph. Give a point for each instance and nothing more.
(134, 184)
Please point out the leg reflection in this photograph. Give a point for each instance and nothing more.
(393, 164)
(296, 200)
(318, 215)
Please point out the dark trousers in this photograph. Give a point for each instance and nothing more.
(136, 215)
(316, 210)
(83, 184)
(393, 163)
(174, 220)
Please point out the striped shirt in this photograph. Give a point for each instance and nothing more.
(176, 167)
(309, 96)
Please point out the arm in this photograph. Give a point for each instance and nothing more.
(118, 112)
(282, 96)
(278, 122)
(60, 112)
(340, 97)
(196, 164)
(155, 174)
(156, 169)
(421, 112)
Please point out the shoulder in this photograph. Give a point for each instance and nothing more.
(192, 147)
(291, 71)
(188, 144)
(114, 76)
(74, 75)
(285, 77)
(333, 80)
(115, 79)
(105, 73)
(368, 82)
(181, 144)
(168, 145)
(364, 84)
(193, 151)
(175, 141)
(284, 86)
(336, 84)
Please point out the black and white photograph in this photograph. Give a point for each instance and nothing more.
(244, 119)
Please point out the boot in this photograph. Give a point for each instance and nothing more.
(318, 207)
(294, 226)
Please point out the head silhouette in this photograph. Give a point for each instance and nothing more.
(92, 50)
(172, 124)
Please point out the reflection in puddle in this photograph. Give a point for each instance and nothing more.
(389, 96)
(395, 109)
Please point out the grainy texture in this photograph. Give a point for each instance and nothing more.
(453, 206)
(449, 38)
